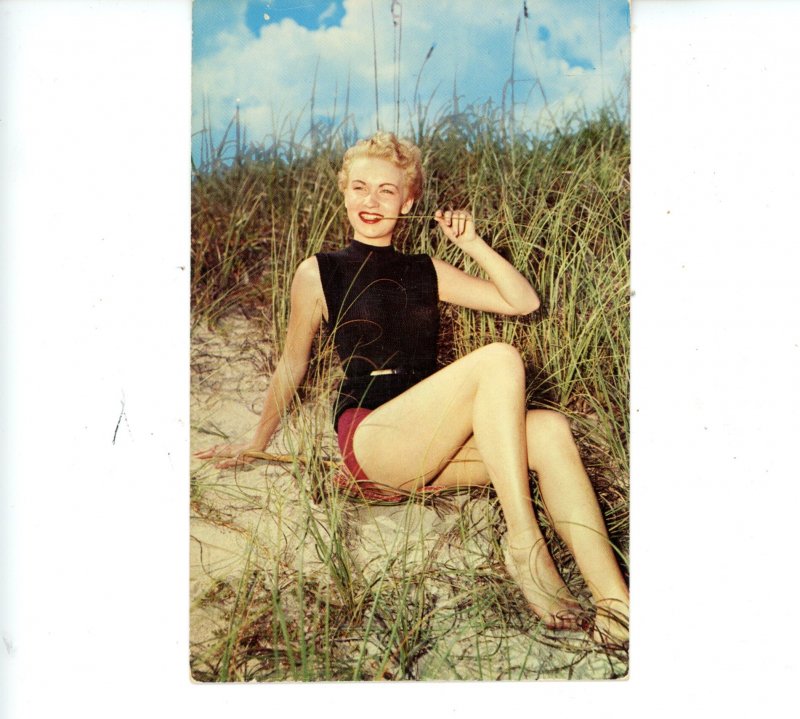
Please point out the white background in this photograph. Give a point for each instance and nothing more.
(94, 126)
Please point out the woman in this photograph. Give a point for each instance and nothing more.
(404, 425)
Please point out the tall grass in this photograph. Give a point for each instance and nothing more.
(558, 208)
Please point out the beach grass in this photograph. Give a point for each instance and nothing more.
(292, 581)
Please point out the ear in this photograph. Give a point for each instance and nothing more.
(406, 206)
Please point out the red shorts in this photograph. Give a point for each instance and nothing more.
(354, 480)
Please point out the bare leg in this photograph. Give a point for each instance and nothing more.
(572, 507)
(571, 503)
(410, 440)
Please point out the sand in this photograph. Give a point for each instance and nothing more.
(409, 591)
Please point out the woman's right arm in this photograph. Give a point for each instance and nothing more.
(305, 315)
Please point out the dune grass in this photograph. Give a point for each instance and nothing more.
(432, 600)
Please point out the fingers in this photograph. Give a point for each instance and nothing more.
(218, 450)
(233, 462)
(229, 455)
(207, 453)
(454, 222)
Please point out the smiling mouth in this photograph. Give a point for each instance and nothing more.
(369, 217)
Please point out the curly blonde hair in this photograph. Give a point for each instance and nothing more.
(385, 145)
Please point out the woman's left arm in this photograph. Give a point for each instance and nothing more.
(505, 292)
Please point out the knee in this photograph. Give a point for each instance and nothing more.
(503, 358)
(549, 426)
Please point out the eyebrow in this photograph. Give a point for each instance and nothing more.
(382, 184)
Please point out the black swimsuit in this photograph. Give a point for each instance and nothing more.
(383, 315)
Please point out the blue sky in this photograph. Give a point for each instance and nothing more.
(265, 55)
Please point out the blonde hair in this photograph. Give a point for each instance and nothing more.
(403, 153)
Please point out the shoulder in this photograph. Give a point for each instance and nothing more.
(307, 276)
(307, 269)
(307, 294)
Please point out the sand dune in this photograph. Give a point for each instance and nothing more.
(288, 582)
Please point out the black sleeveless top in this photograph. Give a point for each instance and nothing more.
(383, 314)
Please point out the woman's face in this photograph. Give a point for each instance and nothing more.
(375, 196)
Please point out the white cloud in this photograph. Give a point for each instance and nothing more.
(273, 74)
(327, 13)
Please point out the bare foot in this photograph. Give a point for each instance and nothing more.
(532, 568)
(611, 623)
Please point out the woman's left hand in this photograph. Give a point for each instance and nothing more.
(458, 226)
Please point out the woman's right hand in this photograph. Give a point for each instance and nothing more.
(305, 316)
(230, 455)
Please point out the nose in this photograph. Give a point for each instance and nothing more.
(371, 200)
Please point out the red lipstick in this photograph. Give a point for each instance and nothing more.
(369, 218)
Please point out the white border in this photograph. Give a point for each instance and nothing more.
(94, 117)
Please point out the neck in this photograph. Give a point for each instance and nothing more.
(374, 241)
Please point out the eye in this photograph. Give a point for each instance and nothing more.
(387, 191)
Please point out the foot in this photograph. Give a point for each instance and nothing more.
(611, 623)
(532, 568)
